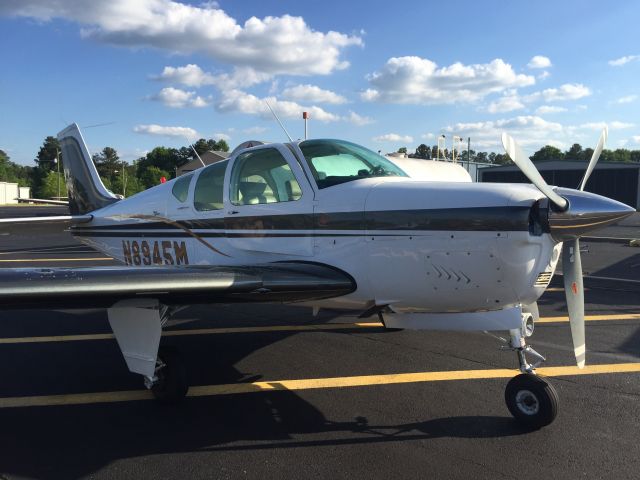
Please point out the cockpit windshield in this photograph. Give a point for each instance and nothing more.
(336, 161)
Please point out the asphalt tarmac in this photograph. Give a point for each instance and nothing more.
(278, 393)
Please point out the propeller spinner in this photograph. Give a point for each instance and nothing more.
(573, 213)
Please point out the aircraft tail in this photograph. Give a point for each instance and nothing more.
(85, 188)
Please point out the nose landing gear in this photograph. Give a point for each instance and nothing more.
(531, 399)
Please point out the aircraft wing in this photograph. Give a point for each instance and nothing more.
(101, 287)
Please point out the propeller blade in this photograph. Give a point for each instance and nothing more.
(528, 168)
(574, 291)
(595, 156)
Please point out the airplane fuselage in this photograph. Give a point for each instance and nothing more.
(418, 246)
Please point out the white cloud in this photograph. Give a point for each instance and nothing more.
(618, 62)
(273, 45)
(626, 99)
(636, 139)
(190, 75)
(528, 130)
(549, 109)
(539, 61)
(221, 136)
(543, 75)
(254, 130)
(243, 102)
(176, 98)
(614, 125)
(506, 103)
(184, 132)
(312, 93)
(358, 120)
(568, 91)
(427, 136)
(415, 80)
(393, 137)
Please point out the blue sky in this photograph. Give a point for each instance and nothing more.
(383, 74)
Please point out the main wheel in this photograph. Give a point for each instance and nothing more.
(531, 400)
(171, 386)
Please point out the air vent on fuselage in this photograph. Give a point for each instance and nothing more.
(543, 279)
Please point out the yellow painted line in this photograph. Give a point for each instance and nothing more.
(311, 384)
(49, 260)
(200, 331)
(277, 328)
(594, 318)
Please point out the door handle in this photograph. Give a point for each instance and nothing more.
(232, 212)
(183, 208)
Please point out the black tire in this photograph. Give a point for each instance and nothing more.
(531, 400)
(172, 385)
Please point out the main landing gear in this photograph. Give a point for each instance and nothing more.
(531, 399)
(169, 382)
(137, 325)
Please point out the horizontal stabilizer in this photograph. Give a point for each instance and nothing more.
(43, 201)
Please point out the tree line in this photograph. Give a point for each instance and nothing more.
(548, 152)
(46, 178)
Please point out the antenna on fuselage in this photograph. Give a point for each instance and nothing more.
(194, 151)
(279, 122)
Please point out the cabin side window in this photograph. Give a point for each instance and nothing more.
(208, 193)
(263, 176)
(180, 188)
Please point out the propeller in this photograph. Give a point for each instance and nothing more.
(594, 158)
(571, 262)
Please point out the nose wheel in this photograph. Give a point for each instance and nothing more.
(531, 400)
(169, 384)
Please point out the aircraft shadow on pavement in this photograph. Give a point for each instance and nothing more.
(74, 441)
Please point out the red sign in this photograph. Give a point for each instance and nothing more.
(163, 179)
(305, 115)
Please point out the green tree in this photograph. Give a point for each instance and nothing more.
(108, 163)
(547, 153)
(482, 157)
(574, 153)
(167, 159)
(423, 151)
(46, 158)
(49, 185)
(402, 150)
(150, 176)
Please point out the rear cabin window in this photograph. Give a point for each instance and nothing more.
(208, 193)
(180, 188)
(263, 176)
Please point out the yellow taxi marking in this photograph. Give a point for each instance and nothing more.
(594, 318)
(201, 331)
(49, 260)
(311, 383)
(277, 328)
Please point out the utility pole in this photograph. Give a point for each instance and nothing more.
(58, 165)
(124, 178)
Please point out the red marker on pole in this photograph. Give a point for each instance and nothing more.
(163, 179)
(305, 117)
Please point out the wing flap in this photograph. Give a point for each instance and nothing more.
(28, 288)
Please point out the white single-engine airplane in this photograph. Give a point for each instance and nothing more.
(331, 224)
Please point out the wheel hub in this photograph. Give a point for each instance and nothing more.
(527, 402)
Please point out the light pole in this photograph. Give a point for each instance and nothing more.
(58, 166)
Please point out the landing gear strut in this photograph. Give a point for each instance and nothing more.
(531, 400)
(169, 382)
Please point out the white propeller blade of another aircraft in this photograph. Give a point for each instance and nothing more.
(571, 262)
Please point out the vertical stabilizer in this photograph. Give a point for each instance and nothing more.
(86, 190)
